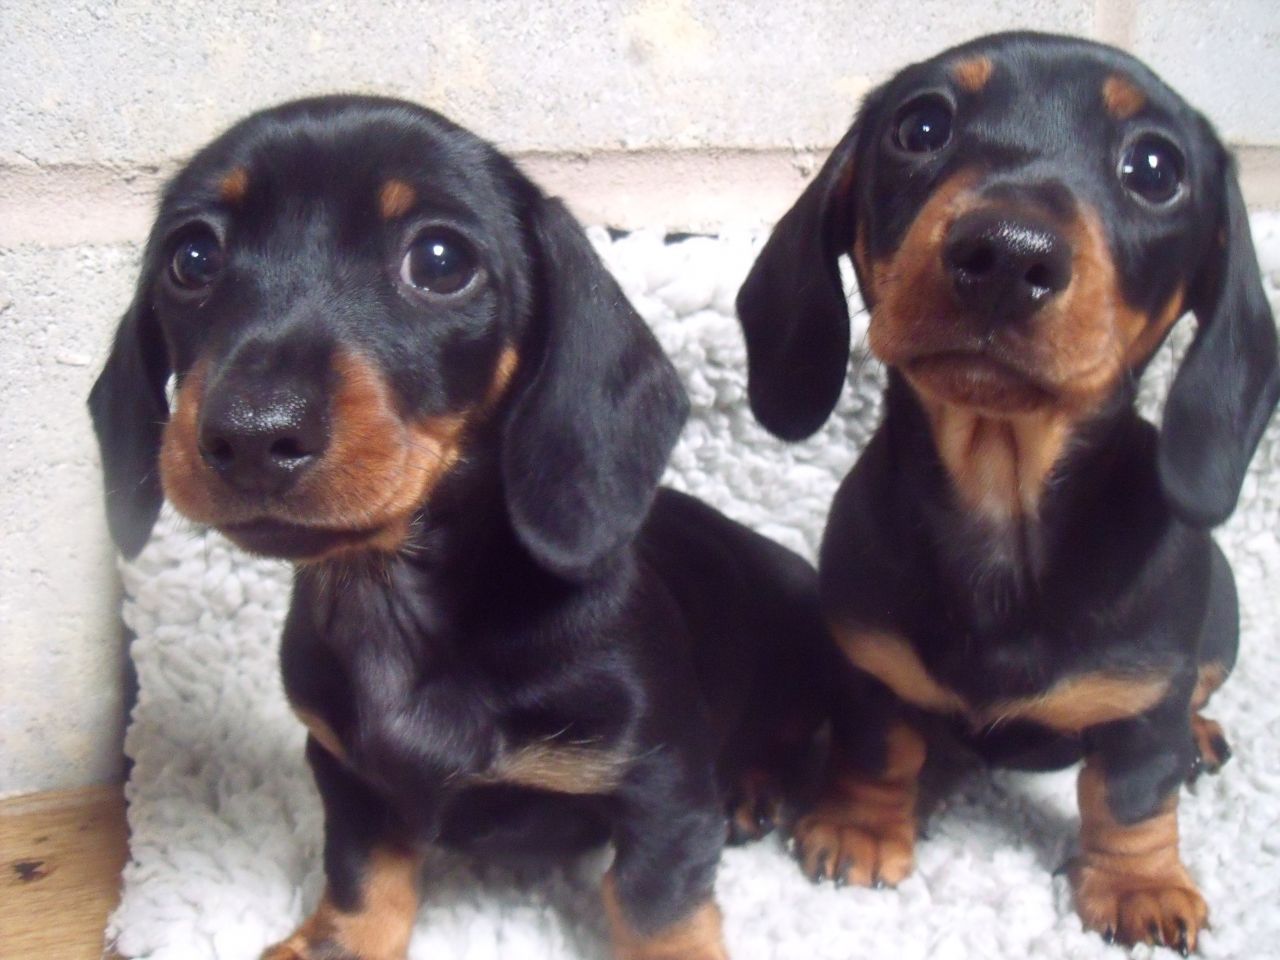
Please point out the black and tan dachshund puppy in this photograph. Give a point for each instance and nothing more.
(1016, 549)
(402, 367)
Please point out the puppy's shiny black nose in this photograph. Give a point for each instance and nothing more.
(262, 441)
(1005, 268)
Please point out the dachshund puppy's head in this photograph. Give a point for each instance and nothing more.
(351, 294)
(1027, 218)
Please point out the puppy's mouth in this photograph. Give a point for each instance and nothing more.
(976, 379)
(291, 541)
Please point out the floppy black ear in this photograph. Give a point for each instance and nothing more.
(1229, 382)
(792, 305)
(589, 436)
(129, 411)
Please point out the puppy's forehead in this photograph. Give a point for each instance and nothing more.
(347, 155)
(1025, 84)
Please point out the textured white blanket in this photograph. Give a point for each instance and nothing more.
(226, 827)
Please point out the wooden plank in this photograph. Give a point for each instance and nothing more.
(61, 854)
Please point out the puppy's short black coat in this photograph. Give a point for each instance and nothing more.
(1016, 549)
(401, 366)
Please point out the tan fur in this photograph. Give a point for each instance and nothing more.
(1211, 742)
(503, 372)
(1083, 701)
(972, 74)
(1144, 334)
(569, 768)
(999, 465)
(697, 937)
(908, 287)
(1129, 879)
(378, 930)
(1069, 706)
(183, 475)
(375, 472)
(894, 662)
(234, 186)
(395, 199)
(756, 794)
(1001, 442)
(863, 829)
(1122, 97)
(1208, 679)
(322, 732)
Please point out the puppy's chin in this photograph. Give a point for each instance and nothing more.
(282, 540)
(978, 381)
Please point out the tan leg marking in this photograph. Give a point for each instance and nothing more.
(1212, 749)
(697, 937)
(1209, 678)
(378, 930)
(757, 807)
(863, 830)
(1129, 882)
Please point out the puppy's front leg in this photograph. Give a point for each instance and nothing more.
(372, 873)
(659, 896)
(862, 830)
(1129, 880)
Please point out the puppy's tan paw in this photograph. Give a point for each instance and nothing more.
(1134, 908)
(840, 843)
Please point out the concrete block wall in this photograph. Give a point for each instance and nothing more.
(679, 113)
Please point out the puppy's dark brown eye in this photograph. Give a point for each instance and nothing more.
(1151, 168)
(197, 259)
(439, 261)
(923, 125)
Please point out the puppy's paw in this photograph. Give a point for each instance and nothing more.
(847, 843)
(1212, 749)
(298, 947)
(755, 807)
(1134, 908)
(301, 946)
(331, 935)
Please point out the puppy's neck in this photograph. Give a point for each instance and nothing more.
(460, 562)
(999, 466)
(1002, 495)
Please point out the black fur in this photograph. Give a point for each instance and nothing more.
(1116, 571)
(543, 595)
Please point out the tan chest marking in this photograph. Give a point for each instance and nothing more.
(999, 465)
(1069, 706)
(567, 768)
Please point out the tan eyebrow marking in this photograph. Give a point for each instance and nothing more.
(234, 185)
(972, 74)
(395, 198)
(1122, 97)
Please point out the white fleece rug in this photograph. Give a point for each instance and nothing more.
(226, 827)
